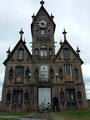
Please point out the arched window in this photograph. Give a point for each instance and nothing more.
(19, 71)
(62, 96)
(43, 32)
(8, 98)
(36, 51)
(51, 72)
(66, 54)
(50, 51)
(20, 54)
(76, 75)
(68, 70)
(79, 96)
(60, 73)
(17, 97)
(43, 51)
(27, 73)
(36, 74)
(11, 74)
(26, 97)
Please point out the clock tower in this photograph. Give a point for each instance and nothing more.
(43, 28)
(32, 80)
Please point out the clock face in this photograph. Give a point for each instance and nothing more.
(42, 24)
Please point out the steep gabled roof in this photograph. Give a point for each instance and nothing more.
(38, 13)
(67, 43)
(15, 48)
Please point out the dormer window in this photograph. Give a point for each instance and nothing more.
(66, 54)
(20, 54)
(42, 18)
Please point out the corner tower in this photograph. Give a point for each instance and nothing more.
(42, 29)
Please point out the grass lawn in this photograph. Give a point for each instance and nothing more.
(17, 114)
(71, 115)
(6, 119)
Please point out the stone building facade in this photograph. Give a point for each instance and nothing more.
(33, 79)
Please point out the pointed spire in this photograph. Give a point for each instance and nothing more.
(42, 2)
(64, 33)
(61, 43)
(8, 52)
(78, 51)
(24, 41)
(52, 16)
(21, 34)
(33, 15)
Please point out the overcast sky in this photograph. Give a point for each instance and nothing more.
(73, 15)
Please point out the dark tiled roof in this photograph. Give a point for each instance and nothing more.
(15, 48)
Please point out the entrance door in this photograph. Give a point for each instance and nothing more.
(44, 96)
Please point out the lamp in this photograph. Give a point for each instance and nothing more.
(56, 75)
(29, 75)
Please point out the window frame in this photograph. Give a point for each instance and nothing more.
(19, 67)
(8, 98)
(20, 59)
(51, 72)
(50, 51)
(66, 54)
(43, 51)
(27, 72)
(36, 52)
(26, 97)
(76, 73)
(69, 71)
(11, 76)
(62, 96)
(61, 73)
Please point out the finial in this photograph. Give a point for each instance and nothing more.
(21, 34)
(61, 42)
(8, 50)
(33, 15)
(52, 16)
(24, 41)
(64, 34)
(42, 2)
(78, 51)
